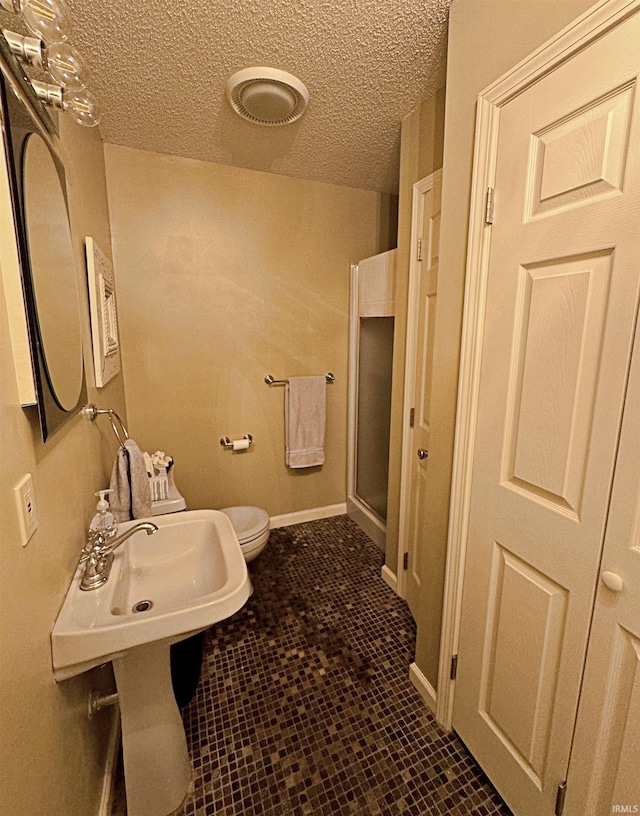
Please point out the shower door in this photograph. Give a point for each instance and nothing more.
(371, 359)
(374, 412)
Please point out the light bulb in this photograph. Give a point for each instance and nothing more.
(48, 19)
(83, 107)
(65, 64)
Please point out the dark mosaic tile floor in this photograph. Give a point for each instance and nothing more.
(305, 706)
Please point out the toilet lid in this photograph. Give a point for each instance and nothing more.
(248, 522)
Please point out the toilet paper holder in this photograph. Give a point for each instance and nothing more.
(237, 444)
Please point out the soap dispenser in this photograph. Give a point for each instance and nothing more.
(104, 521)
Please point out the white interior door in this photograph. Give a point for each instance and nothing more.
(604, 772)
(426, 241)
(561, 305)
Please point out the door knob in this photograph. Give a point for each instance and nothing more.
(422, 453)
(612, 581)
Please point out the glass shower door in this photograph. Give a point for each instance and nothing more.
(374, 412)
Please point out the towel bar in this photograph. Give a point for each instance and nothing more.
(270, 379)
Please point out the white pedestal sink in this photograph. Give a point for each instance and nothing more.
(162, 589)
(156, 762)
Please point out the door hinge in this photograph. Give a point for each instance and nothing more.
(560, 797)
(419, 249)
(405, 561)
(412, 417)
(488, 210)
(454, 667)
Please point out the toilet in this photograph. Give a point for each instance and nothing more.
(252, 528)
(251, 524)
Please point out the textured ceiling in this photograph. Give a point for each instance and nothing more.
(159, 69)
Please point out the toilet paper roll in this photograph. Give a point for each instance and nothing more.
(240, 444)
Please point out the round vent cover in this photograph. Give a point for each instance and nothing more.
(267, 96)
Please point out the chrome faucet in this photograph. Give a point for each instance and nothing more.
(98, 554)
(112, 544)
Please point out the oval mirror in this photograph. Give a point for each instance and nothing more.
(53, 272)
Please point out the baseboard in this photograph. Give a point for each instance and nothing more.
(106, 798)
(389, 578)
(424, 687)
(367, 522)
(308, 515)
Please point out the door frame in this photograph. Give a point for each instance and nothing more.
(410, 364)
(575, 37)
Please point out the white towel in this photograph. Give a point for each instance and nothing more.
(131, 497)
(305, 419)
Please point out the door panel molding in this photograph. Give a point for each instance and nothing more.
(524, 654)
(561, 310)
(581, 33)
(581, 157)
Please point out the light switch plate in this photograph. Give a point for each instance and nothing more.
(26, 506)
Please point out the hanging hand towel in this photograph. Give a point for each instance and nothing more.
(131, 497)
(305, 418)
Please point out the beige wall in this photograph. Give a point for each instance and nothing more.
(486, 38)
(51, 756)
(225, 275)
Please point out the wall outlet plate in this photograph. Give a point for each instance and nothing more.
(26, 507)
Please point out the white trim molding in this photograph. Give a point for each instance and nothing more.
(389, 578)
(314, 513)
(424, 687)
(579, 34)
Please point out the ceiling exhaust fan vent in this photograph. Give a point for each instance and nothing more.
(267, 96)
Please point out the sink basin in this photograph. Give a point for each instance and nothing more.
(185, 577)
(162, 588)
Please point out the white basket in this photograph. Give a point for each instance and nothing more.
(159, 485)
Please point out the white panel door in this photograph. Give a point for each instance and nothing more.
(604, 772)
(427, 270)
(562, 299)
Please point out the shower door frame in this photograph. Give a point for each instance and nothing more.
(358, 509)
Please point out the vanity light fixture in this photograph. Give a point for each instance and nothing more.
(60, 60)
(81, 104)
(50, 51)
(50, 20)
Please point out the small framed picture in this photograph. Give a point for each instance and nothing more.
(104, 316)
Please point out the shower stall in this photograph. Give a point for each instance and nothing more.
(370, 369)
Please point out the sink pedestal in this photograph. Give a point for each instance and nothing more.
(162, 589)
(157, 769)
